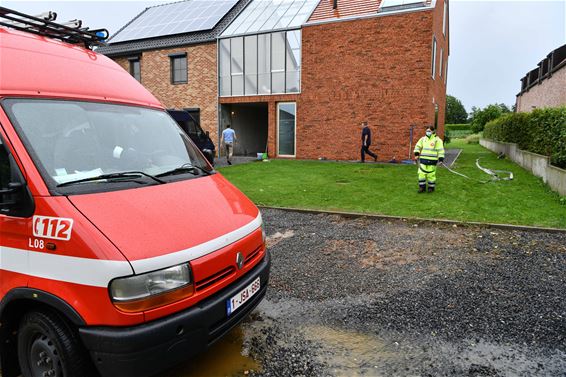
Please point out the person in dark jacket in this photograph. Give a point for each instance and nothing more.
(208, 149)
(366, 142)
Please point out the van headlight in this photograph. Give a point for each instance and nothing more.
(153, 289)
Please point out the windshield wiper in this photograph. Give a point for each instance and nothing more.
(121, 176)
(185, 168)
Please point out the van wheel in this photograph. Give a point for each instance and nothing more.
(49, 347)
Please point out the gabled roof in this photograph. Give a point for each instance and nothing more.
(160, 41)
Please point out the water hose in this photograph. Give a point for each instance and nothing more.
(493, 173)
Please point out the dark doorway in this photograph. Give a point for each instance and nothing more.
(250, 121)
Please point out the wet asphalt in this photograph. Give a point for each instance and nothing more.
(372, 297)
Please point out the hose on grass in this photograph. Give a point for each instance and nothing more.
(495, 174)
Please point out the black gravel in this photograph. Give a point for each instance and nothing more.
(360, 296)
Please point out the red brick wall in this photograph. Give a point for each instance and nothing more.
(201, 89)
(377, 70)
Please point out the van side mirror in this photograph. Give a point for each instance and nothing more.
(15, 197)
(13, 188)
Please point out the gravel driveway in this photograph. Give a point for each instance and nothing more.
(367, 297)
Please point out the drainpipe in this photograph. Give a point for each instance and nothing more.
(411, 141)
(334, 4)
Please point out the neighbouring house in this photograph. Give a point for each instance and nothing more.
(297, 77)
(544, 86)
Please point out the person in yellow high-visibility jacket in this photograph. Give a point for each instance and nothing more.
(428, 151)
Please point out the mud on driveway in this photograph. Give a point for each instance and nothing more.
(367, 297)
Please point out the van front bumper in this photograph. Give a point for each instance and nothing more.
(149, 348)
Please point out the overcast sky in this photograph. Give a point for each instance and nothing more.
(493, 43)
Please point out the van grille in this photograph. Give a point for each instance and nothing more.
(252, 256)
(205, 283)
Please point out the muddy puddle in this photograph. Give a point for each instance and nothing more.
(226, 358)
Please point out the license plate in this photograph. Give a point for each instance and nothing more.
(232, 304)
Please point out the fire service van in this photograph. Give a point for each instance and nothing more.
(122, 251)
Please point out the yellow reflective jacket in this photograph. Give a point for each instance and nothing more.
(430, 148)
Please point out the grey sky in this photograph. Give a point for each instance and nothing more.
(493, 43)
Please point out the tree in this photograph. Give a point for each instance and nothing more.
(480, 117)
(455, 111)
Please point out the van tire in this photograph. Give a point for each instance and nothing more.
(49, 346)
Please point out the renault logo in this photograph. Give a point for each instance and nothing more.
(239, 260)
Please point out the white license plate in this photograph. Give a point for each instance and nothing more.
(232, 304)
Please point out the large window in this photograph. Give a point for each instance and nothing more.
(179, 71)
(260, 64)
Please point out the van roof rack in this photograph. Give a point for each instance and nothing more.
(70, 32)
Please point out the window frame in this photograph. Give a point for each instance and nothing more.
(172, 58)
(295, 129)
(434, 48)
(440, 71)
(132, 61)
(444, 18)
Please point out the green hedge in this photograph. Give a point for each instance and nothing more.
(458, 127)
(541, 131)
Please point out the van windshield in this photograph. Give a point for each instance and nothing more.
(72, 141)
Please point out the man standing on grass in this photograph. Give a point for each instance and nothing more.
(366, 142)
(428, 151)
(228, 139)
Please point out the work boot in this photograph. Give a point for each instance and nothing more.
(421, 189)
(431, 189)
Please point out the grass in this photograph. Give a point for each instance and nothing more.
(392, 189)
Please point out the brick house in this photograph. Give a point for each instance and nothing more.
(297, 77)
(545, 85)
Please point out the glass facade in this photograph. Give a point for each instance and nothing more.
(262, 16)
(260, 64)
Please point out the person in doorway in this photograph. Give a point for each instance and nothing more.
(428, 152)
(228, 139)
(366, 142)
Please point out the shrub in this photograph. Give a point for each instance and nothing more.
(473, 139)
(542, 131)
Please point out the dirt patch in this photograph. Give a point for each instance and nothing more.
(274, 239)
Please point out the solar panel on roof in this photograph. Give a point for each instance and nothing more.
(175, 18)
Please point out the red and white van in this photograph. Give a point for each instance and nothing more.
(122, 252)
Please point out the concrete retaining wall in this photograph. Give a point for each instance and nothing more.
(535, 163)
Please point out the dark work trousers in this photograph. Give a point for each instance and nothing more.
(365, 149)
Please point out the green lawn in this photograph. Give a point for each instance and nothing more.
(392, 189)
